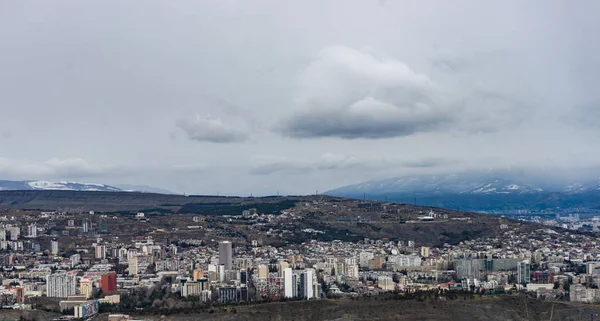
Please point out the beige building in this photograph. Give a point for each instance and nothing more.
(85, 288)
(263, 271)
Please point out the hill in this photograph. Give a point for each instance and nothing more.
(480, 191)
(120, 201)
(296, 219)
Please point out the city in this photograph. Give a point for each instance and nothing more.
(105, 273)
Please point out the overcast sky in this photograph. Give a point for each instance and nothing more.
(241, 97)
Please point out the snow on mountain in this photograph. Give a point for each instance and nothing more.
(575, 188)
(76, 186)
(71, 186)
(464, 183)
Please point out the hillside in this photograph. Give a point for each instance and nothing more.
(479, 191)
(321, 218)
(461, 308)
(119, 201)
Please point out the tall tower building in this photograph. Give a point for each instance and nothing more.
(100, 251)
(523, 271)
(32, 230)
(288, 284)
(133, 265)
(61, 285)
(54, 247)
(225, 255)
(306, 283)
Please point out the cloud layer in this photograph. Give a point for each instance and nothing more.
(350, 94)
(335, 91)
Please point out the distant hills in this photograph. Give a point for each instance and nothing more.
(481, 191)
(6, 185)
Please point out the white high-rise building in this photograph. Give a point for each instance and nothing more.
(75, 259)
(133, 265)
(288, 284)
(226, 254)
(14, 231)
(307, 284)
(222, 273)
(54, 247)
(32, 230)
(61, 285)
(100, 251)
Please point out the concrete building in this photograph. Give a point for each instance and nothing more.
(32, 230)
(306, 283)
(100, 251)
(61, 285)
(54, 247)
(133, 265)
(523, 272)
(263, 271)
(85, 288)
(226, 254)
(288, 284)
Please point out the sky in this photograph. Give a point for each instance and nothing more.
(260, 97)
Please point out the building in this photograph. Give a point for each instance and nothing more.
(225, 254)
(263, 271)
(306, 284)
(424, 251)
(103, 226)
(228, 294)
(243, 277)
(85, 288)
(86, 225)
(281, 267)
(108, 283)
(61, 285)
(100, 251)
(198, 274)
(288, 284)
(54, 247)
(32, 231)
(133, 265)
(523, 272)
(386, 283)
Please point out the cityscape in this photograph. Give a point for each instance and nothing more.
(279, 160)
(104, 273)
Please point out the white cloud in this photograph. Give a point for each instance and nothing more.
(210, 129)
(350, 94)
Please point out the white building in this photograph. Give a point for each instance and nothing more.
(32, 230)
(54, 247)
(100, 251)
(288, 284)
(61, 285)
(307, 284)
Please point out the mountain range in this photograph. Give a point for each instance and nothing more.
(481, 191)
(76, 186)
